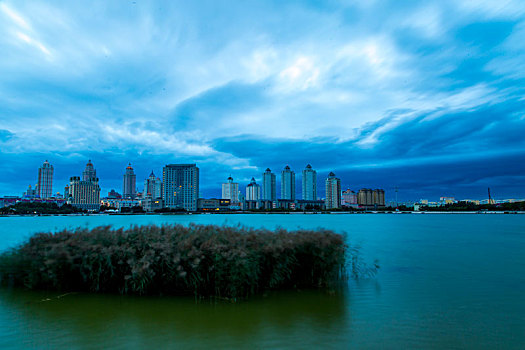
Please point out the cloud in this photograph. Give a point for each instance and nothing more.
(494, 8)
(5, 135)
(14, 16)
(368, 90)
(300, 75)
(219, 109)
(433, 144)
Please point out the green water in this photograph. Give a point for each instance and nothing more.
(447, 281)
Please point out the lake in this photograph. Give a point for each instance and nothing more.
(454, 281)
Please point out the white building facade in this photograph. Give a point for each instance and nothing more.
(44, 186)
(253, 191)
(230, 190)
(333, 192)
(85, 193)
(152, 187)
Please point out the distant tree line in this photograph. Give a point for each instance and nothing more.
(21, 208)
(39, 208)
(469, 206)
(170, 210)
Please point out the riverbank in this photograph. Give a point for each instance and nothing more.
(272, 213)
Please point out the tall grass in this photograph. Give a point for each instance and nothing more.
(202, 260)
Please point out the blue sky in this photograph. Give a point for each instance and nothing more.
(426, 96)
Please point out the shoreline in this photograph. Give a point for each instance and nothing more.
(275, 213)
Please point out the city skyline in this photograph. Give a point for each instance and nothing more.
(229, 190)
(423, 97)
(153, 186)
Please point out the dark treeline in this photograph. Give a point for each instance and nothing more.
(134, 210)
(39, 208)
(171, 210)
(199, 260)
(468, 206)
(52, 208)
(459, 206)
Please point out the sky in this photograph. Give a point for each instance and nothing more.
(425, 96)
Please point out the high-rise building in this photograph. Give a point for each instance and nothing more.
(153, 186)
(129, 185)
(181, 186)
(85, 193)
(287, 184)
(89, 173)
(230, 190)
(242, 197)
(269, 186)
(369, 198)
(45, 181)
(253, 191)
(31, 192)
(349, 198)
(379, 197)
(309, 184)
(333, 192)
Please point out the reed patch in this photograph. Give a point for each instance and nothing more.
(200, 260)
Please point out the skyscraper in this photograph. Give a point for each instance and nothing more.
(129, 186)
(45, 180)
(89, 173)
(333, 192)
(253, 191)
(85, 193)
(230, 190)
(287, 184)
(269, 186)
(181, 186)
(153, 186)
(309, 183)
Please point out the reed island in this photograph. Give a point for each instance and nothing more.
(199, 260)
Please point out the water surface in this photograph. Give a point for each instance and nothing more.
(447, 281)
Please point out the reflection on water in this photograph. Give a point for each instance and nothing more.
(88, 320)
